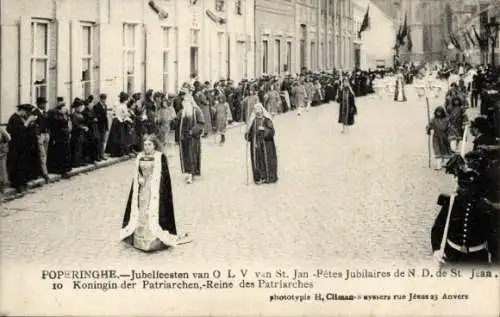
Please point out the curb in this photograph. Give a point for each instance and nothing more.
(10, 194)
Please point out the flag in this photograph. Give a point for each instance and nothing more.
(410, 43)
(480, 41)
(365, 25)
(471, 40)
(467, 43)
(404, 31)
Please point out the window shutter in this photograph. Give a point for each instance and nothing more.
(75, 60)
(25, 81)
(52, 54)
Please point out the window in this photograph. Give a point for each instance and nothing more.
(195, 40)
(330, 54)
(265, 56)
(288, 64)
(277, 57)
(129, 56)
(220, 5)
(166, 31)
(239, 7)
(39, 59)
(87, 80)
(323, 54)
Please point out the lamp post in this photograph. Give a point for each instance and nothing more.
(492, 28)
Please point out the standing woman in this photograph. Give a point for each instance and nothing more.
(260, 134)
(149, 221)
(59, 153)
(191, 123)
(347, 105)
(116, 145)
(162, 121)
(399, 92)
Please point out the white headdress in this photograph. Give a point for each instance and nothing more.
(253, 115)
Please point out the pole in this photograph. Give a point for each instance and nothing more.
(428, 123)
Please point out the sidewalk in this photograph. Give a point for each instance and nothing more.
(11, 194)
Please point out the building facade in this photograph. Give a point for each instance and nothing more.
(74, 48)
(291, 35)
(465, 16)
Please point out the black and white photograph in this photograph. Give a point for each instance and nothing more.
(249, 157)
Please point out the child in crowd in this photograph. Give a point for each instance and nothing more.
(223, 115)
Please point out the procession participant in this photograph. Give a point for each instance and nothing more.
(177, 104)
(223, 115)
(163, 118)
(260, 134)
(399, 92)
(116, 145)
(23, 160)
(440, 125)
(149, 221)
(101, 113)
(59, 152)
(300, 96)
(272, 101)
(347, 105)
(310, 89)
(317, 94)
(475, 87)
(458, 119)
(78, 133)
(469, 228)
(191, 123)
(201, 98)
(42, 132)
(248, 103)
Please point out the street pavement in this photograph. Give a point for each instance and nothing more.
(364, 196)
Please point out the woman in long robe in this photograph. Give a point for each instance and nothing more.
(347, 105)
(191, 123)
(117, 140)
(263, 156)
(23, 156)
(399, 91)
(59, 153)
(149, 221)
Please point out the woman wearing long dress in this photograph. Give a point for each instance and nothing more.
(117, 140)
(149, 221)
(263, 156)
(399, 92)
(191, 122)
(59, 153)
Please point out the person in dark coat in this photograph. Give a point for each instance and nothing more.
(149, 221)
(78, 133)
(191, 122)
(482, 132)
(101, 114)
(469, 226)
(92, 135)
(263, 156)
(347, 105)
(59, 153)
(23, 161)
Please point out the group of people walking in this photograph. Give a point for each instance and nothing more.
(466, 230)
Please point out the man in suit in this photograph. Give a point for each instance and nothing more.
(101, 114)
(42, 131)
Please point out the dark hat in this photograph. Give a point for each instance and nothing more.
(25, 107)
(41, 100)
(157, 95)
(149, 93)
(60, 99)
(77, 103)
(123, 95)
(480, 123)
(103, 96)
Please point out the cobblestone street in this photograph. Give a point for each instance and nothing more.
(367, 195)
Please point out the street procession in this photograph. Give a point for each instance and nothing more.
(286, 148)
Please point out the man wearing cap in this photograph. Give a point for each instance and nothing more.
(42, 132)
(468, 226)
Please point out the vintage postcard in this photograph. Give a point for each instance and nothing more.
(249, 158)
